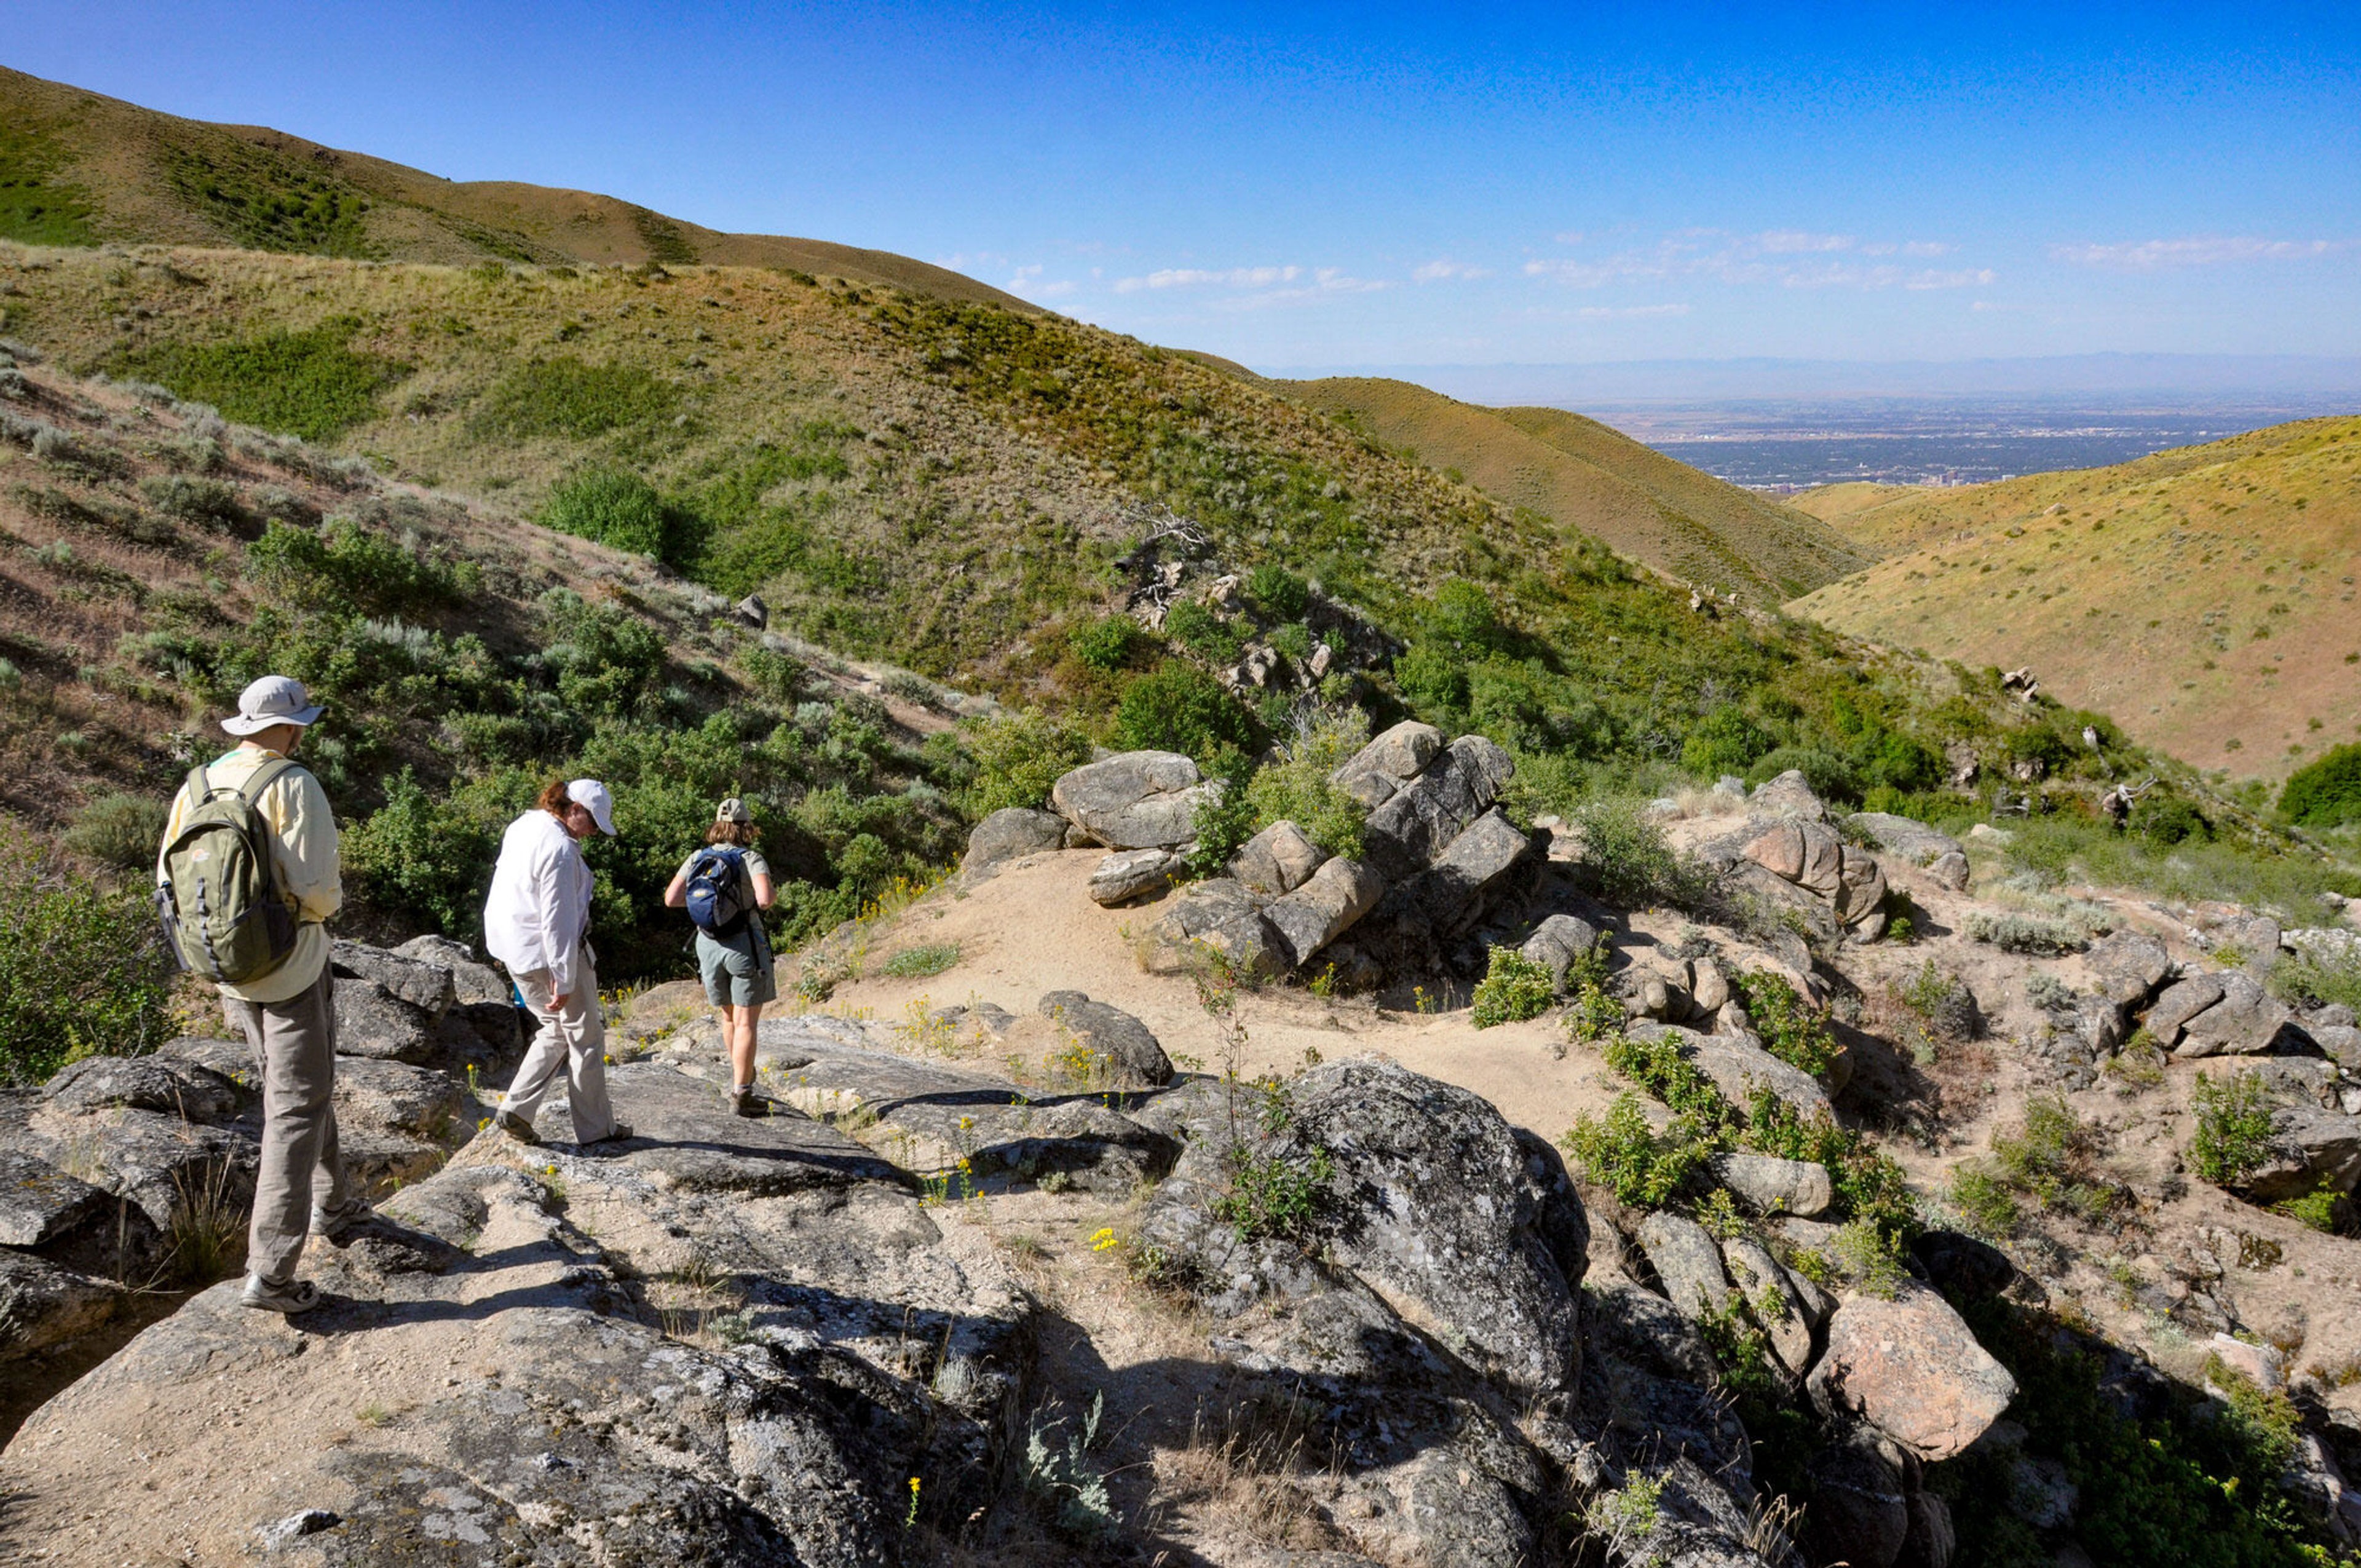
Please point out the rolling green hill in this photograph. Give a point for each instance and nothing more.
(2204, 596)
(1685, 523)
(78, 168)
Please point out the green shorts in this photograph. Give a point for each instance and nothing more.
(738, 970)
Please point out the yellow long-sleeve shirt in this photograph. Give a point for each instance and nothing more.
(303, 852)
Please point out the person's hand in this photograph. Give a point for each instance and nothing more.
(557, 1003)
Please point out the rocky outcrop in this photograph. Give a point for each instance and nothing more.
(498, 1315)
(1136, 800)
(1557, 942)
(1378, 772)
(2244, 1020)
(1687, 1262)
(1218, 918)
(1937, 854)
(1329, 903)
(1276, 861)
(1127, 1050)
(1133, 874)
(1738, 1067)
(1810, 855)
(2309, 1148)
(1012, 831)
(1910, 1367)
(1413, 827)
(1773, 1186)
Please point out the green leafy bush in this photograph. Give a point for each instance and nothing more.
(1225, 817)
(123, 831)
(1279, 591)
(1986, 1206)
(1723, 741)
(565, 398)
(1792, 1030)
(1832, 777)
(1643, 1168)
(82, 970)
(1513, 989)
(921, 962)
(2234, 1127)
(309, 383)
(2049, 1157)
(622, 511)
(1018, 756)
(1627, 855)
(1179, 709)
(1278, 1182)
(347, 569)
(1294, 787)
(2326, 792)
(1199, 629)
(1433, 677)
(1107, 643)
(2310, 979)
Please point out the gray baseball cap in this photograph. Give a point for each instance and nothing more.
(272, 700)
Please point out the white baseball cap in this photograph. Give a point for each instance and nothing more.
(272, 700)
(592, 797)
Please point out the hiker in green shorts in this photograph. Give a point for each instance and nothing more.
(725, 886)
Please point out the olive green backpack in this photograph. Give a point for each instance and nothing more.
(225, 913)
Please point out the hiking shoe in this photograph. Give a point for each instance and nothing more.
(614, 1135)
(517, 1127)
(336, 1226)
(746, 1102)
(294, 1296)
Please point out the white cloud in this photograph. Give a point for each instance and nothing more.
(1793, 258)
(1788, 242)
(1625, 312)
(2200, 250)
(1438, 270)
(1197, 277)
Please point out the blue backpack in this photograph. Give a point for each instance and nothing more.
(716, 889)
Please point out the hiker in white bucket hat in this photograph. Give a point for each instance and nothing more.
(537, 922)
(257, 806)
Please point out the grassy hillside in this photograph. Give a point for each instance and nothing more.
(1686, 524)
(80, 169)
(2204, 596)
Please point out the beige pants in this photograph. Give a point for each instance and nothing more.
(296, 1040)
(573, 1039)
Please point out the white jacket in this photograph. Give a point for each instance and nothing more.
(539, 910)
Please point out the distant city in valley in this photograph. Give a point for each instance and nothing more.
(1783, 446)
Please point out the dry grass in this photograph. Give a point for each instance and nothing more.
(2203, 597)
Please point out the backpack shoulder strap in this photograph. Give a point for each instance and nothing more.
(263, 777)
(198, 786)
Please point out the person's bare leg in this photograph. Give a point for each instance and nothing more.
(742, 1049)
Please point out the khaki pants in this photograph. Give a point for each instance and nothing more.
(296, 1040)
(573, 1039)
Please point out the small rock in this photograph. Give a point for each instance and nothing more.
(1278, 860)
(1010, 832)
(295, 1526)
(1133, 873)
(1328, 904)
(1557, 942)
(1789, 794)
(1216, 915)
(1687, 1262)
(1135, 1059)
(752, 612)
(1910, 1367)
(1772, 1186)
(1952, 871)
(2179, 1004)
(1379, 768)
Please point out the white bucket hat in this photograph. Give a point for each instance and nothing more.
(592, 797)
(272, 700)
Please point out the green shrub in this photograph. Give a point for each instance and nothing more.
(347, 569)
(1832, 776)
(2014, 933)
(1279, 591)
(1180, 708)
(622, 511)
(1723, 741)
(123, 831)
(309, 383)
(1225, 818)
(1986, 1206)
(1657, 1065)
(1018, 756)
(1294, 786)
(921, 962)
(1641, 1167)
(2311, 979)
(1201, 631)
(776, 676)
(2234, 1127)
(1628, 858)
(1277, 1183)
(2326, 792)
(82, 970)
(2322, 1208)
(1106, 643)
(569, 400)
(2049, 1157)
(1792, 1030)
(1433, 678)
(1513, 989)
(2166, 821)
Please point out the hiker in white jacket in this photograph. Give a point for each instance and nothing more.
(537, 922)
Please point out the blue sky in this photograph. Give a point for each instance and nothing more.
(1320, 187)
